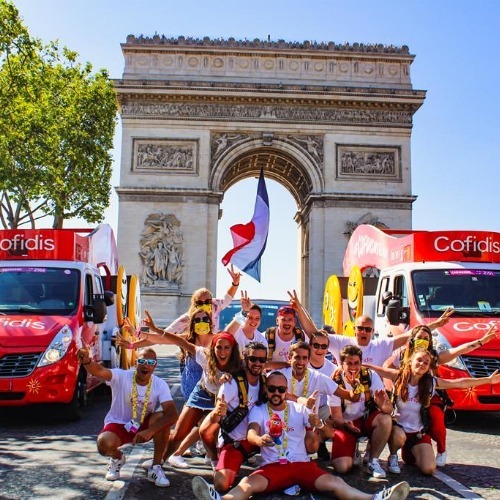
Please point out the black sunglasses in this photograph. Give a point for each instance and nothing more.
(143, 361)
(280, 388)
(319, 346)
(204, 319)
(367, 329)
(254, 359)
(205, 302)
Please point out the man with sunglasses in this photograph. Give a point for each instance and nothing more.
(235, 397)
(278, 428)
(135, 395)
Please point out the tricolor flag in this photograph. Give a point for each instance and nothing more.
(250, 239)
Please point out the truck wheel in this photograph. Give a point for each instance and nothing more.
(73, 410)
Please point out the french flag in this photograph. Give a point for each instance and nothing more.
(250, 239)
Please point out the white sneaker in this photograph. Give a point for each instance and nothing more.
(178, 462)
(393, 465)
(375, 469)
(293, 491)
(114, 466)
(204, 491)
(397, 492)
(147, 464)
(157, 476)
(441, 459)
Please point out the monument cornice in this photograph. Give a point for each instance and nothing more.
(353, 199)
(148, 194)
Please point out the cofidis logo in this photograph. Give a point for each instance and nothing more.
(7, 322)
(468, 245)
(19, 244)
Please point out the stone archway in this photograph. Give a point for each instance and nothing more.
(331, 123)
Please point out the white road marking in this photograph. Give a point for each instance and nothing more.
(455, 485)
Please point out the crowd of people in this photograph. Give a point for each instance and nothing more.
(276, 396)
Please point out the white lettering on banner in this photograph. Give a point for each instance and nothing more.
(470, 244)
(464, 326)
(21, 323)
(368, 246)
(19, 242)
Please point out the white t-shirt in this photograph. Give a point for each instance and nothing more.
(281, 347)
(326, 369)
(294, 432)
(243, 340)
(317, 381)
(375, 353)
(408, 416)
(121, 396)
(354, 410)
(201, 359)
(181, 324)
(231, 395)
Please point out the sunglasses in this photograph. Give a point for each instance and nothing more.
(286, 310)
(204, 319)
(320, 346)
(273, 388)
(366, 329)
(150, 362)
(254, 359)
(205, 302)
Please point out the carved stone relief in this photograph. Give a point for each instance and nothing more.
(371, 162)
(165, 155)
(265, 113)
(312, 144)
(161, 246)
(222, 142)
(367, 218)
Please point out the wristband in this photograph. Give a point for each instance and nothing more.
(130, 345)
(322, 425)
(235, 284)
(244, 313)
(480, 343)
(87, 363)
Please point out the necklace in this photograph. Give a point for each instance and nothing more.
(146, 399)
(306, 384)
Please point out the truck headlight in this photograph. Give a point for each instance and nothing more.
(442, 344)
(57, 348)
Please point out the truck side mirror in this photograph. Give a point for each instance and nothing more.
(109, 298)
(97, 312)
(392, 311)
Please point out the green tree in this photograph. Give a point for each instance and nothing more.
(57, 120)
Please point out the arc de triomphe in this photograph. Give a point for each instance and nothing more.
(332, 123)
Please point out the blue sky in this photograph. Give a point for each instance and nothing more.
(455, 140)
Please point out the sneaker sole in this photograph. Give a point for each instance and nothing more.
(200, 488)
(153, 480)
(400, 491)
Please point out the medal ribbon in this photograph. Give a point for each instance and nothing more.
(134, 399)
(306, 385)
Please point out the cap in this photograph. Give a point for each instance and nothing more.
(286, 310)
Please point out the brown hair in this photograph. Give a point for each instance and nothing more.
(425, 384)
(299, 345)
(233, 366)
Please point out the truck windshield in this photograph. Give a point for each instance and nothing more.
(474, 291)
(38, 290)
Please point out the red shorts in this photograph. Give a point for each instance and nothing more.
(231, 457)
(119, 430)
(281, 476)
(411, 441)
(344, 441)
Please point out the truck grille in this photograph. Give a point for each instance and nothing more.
(481, 367)
(18, 365)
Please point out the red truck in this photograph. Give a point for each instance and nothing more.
(58, 290)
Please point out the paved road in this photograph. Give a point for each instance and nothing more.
(41, 457)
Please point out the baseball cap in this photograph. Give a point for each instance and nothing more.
(285, 310)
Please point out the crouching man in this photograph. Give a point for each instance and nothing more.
(132, 417)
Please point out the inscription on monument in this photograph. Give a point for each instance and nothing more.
(371, 162)
(165, 155)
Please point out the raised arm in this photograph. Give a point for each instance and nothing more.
(389, 373)
(95, 369)
(449, 354)
(442, 320)
(235, 281)
(303, 315)
(465, 383)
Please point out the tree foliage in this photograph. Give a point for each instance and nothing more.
(57, 120)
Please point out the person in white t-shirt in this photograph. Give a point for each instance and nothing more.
(414, 386)
(283, 335)
(228, 422)
(370, 416)
(132, 417)
(248, 332)
(278, 428)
